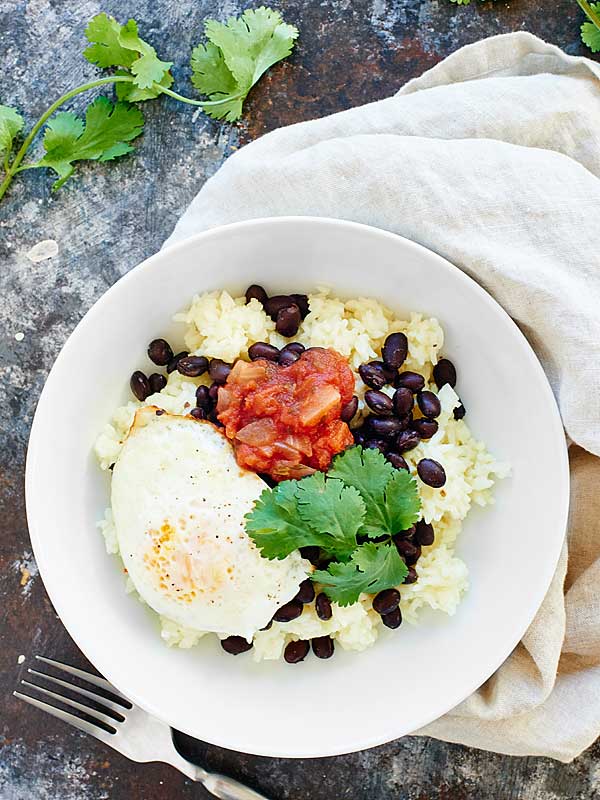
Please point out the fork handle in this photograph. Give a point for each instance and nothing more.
(228, 789)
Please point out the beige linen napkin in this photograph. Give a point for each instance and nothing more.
(492, 159)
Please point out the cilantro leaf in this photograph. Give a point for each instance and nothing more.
(277, 528)
(105, 49)
(371, 569)
(11, 123)
(115, 45)
(590, 34)
(391, 496)
(369, 472)
(212, 76)
(148, 68)
(105, 135)
(238, 53)
(402, 501)
(327, 505)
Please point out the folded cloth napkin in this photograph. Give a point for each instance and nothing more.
(492, 159)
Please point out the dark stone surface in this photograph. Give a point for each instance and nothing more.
(107, 220)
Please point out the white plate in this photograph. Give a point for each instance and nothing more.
(411, 676)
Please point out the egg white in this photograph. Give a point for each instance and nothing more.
(179, 500)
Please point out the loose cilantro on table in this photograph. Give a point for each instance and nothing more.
(237, 53)
(361, 498)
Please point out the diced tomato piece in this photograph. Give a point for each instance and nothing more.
(285, 421)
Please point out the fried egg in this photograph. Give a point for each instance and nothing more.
(179, 500)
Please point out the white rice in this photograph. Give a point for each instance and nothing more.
(220, 326)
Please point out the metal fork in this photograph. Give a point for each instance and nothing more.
(136, 734)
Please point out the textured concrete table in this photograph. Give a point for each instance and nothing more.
(107, 220)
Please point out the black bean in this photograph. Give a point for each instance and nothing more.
(212, 417)
(424, 534)
(405, 421)
(159, 412)
(376, 444)
(306, 592)
(412, 576)
(403, 401)
(397, 461)
(192, 366)
(235, 645)
(349, 410)
(157, 382)
(296, 651)
(288, 320)
(379, 402)
(407, 440)
(288, 356)
(219, 370)
(409, 551)
(159, 352)
(172, 365)
(140, 385)
(459, 411)
(263, 350)
(256, 292)
(288, 612)
(386, 601)
(426, 428)
(395, 350)
(374, 374)
(383, 427)
(267, 479)
(198, 413)
(268, 626)
(322, 646)
(444, 372)
(295, 347)
(213, 392)
(410, 380)
(392, 620)
(323, 606)
(431, 472)
(274, 304)
(359, 435)
(301, 301)
(203, 398)
(312, 554)
(429, 404)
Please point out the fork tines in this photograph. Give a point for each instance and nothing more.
(103, 719)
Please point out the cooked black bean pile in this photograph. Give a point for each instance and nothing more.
(286, 310)
(284, 357)
(391, 426)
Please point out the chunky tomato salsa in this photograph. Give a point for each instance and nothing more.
(285, 421)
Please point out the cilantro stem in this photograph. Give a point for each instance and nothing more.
(12, 170)
(589, 12)
(200, 103)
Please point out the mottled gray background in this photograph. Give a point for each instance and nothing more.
(108, 219)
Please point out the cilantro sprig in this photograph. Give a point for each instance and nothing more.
(224, 69)
(350, 513)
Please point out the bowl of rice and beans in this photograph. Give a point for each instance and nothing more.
(292, 471)
(289, 405)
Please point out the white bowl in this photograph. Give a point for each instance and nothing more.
(411, 676)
